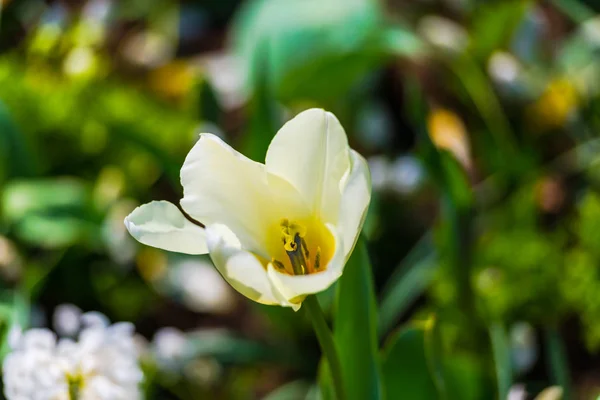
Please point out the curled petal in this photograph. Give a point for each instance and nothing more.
(294, 288)
(356, 196)
(222, 186)
(242, 269)
(161, 224)
(311, 152)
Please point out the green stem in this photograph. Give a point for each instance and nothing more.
(311, 304)
(501, 354)
(559, 365)
(483, 96)
(574, 9)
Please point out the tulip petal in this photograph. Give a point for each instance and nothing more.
(293, 288)
(161, 224)
(242, 269)
(356, 196)
(220, 185)
(311, 152)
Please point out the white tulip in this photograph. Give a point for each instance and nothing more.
(277, 231)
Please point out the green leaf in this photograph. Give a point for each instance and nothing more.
(575, 9)
(263, 116)
(409, 280)
(483, 97)
(501, 352)
(22, 198)
(559, 366)
(399, 41)
(405, 371)
(466, 379)
(435, 357)
(227, 347)
(54, 231)
(355, 328)
(14, 314)
(293, 390)
(50, 213)
(325, 382)
(409, 362)
(15, 158)
(309, 54)
(494, 25)
(129, 133)
(209, 108)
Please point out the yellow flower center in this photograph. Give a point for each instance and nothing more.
(75, 383)
(301, 247)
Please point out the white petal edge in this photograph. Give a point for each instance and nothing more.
(240, 268)
(356, 196)
(221, 185)
(161, 224)
(311, 152)
(294, 287)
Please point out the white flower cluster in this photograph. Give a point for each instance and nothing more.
(101, 365)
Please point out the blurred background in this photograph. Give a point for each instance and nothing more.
(480, 121)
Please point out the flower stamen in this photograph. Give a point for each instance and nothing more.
(293, 237)
(296, 255)
(306, 244)
(318, 259)
(278, 264)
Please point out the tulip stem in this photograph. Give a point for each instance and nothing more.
(325, 337)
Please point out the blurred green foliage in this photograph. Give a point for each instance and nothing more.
(480, 123)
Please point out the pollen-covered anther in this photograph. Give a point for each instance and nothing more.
(292, 236)
(318, 259)
(278, 264)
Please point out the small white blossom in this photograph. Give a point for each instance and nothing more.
(503, 67)
(517, 392)
(443, 33)
(202, 287)
(67, 319)
(101, 365)
(169, 345)
(404, 175)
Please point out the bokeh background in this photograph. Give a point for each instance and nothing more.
(480, 121)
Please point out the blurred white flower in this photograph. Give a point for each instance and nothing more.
(380, 169)
(443, 33)
(202, 287)
(80, 61)
(225, 75)
(503, 67)
(374, 126)
(406, 174)
(551, 393)
(590, 30)
(517, 392)
(169, 345)
(121, 247)
(203, 370)
(523, 347)
(67, 319)
(149, 49)
(97, 10)
(101, 365)
(403, 176)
